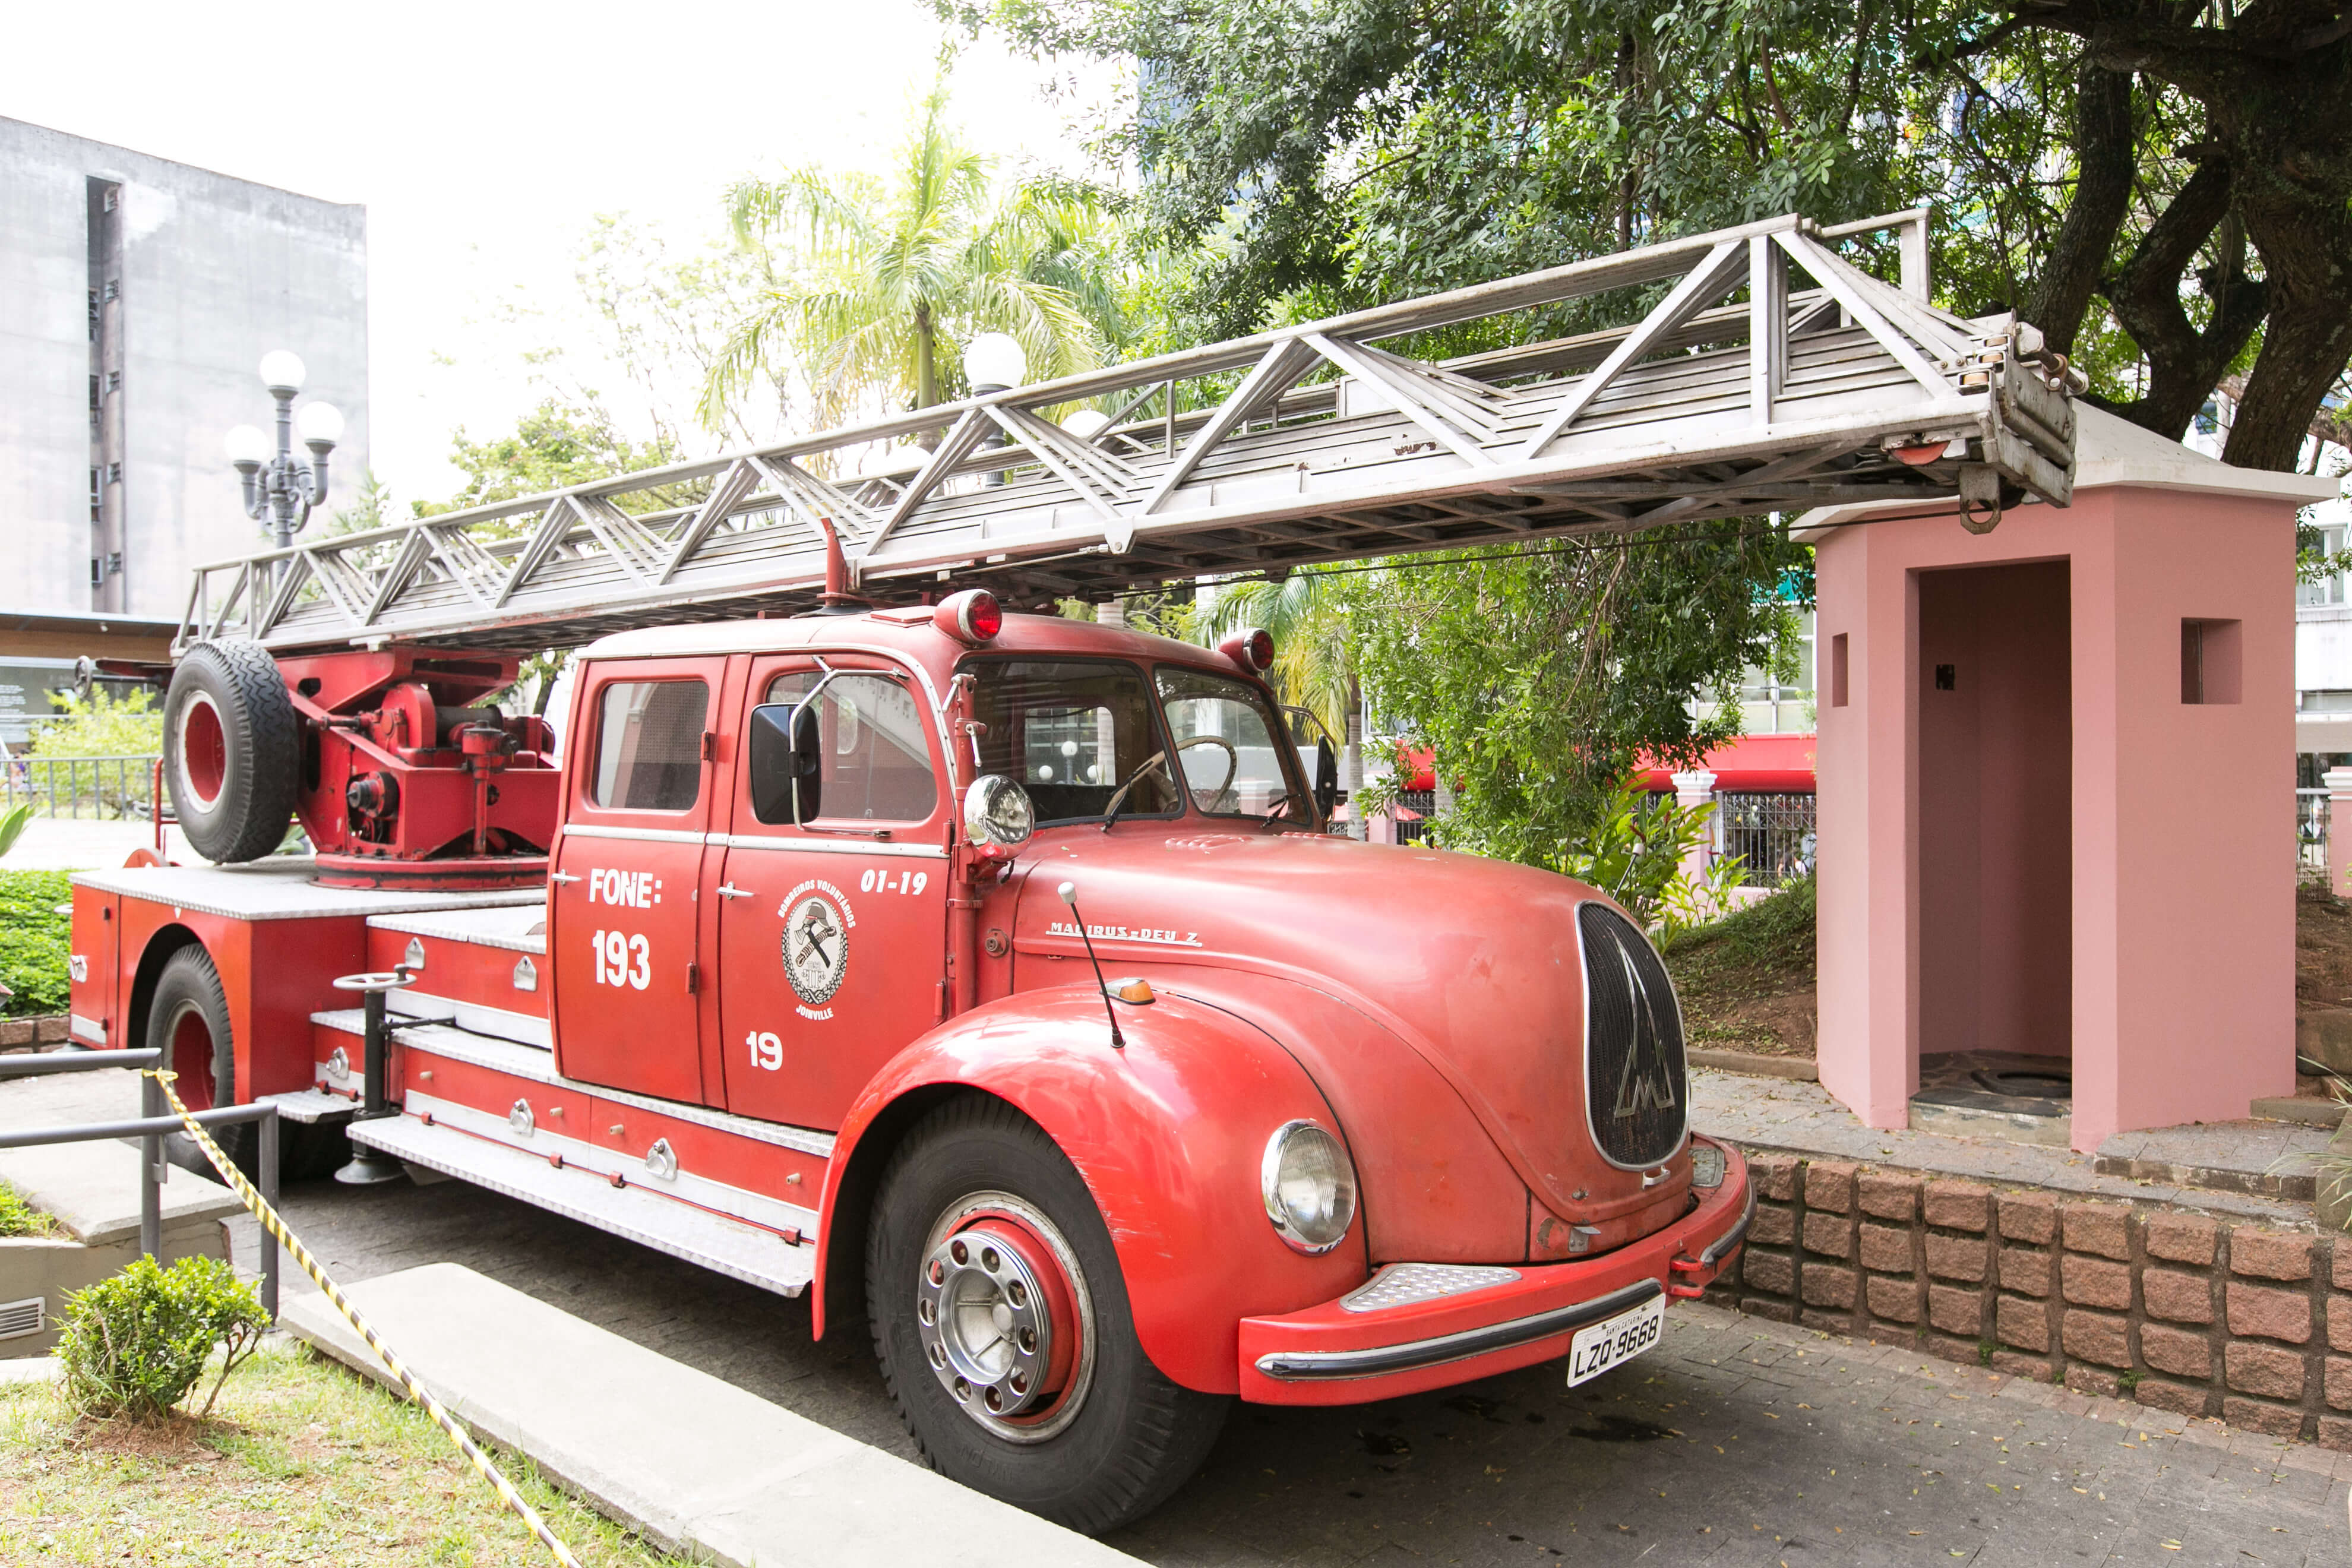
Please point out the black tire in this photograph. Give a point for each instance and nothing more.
(232, 750)
(1134, 1437)
(188, 1021)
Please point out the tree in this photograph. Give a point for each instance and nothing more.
(1542, 680)
(1314, 657)
(102, 725)
(552, 447)
(2200, 221)
(879, 279)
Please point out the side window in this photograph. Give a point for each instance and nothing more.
(649, 745)
(876, 764)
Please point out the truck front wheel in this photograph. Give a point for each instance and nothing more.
(1003, 1326)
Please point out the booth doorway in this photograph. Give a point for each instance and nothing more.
(1995, 815)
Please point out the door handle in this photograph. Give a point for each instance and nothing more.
(562, 877)
(729, 890)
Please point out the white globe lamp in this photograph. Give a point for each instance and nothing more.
(282, 372)
(993, 361)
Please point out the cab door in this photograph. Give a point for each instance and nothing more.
(833, 934)
(627, 868)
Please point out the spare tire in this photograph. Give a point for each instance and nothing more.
(232, 750)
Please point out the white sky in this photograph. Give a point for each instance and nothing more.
(483, 137)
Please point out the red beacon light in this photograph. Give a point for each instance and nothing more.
(1251, 649)
(972, 615)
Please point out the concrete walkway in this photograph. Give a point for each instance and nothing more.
(1803, 1117)
(700, 1467)
(62, 844)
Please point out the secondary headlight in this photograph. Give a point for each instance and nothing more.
(1309, 1186)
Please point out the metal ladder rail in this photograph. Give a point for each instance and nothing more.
(1327, 444)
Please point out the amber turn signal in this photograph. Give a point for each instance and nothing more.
(1138, 991)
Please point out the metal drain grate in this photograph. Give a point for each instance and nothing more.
(18, 1318)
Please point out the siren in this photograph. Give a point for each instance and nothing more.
(1251, 649)
(971, 617)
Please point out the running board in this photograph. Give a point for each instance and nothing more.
(740, 1251)
(309, 1105)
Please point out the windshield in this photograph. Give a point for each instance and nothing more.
(1072, 731)
(1228, 747)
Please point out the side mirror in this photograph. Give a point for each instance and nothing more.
(998, 815)
(1327, 778)
(787, 767)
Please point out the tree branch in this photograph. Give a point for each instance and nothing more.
(2184, 363)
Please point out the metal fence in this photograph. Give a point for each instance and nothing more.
(150, 1129)
(101, 788)
(1773, 833)
(1422, 804)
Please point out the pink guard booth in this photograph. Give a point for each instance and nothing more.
(2056, 788)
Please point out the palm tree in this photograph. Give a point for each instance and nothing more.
(1314, 658)
(887, 276)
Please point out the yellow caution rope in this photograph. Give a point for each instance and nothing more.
(276, 1226)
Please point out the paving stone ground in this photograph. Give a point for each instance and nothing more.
(1737, 1442)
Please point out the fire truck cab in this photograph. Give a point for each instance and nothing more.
(999, 977)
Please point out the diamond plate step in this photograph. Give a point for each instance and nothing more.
(739, 1251)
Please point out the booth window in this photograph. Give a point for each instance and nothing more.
(2211, 660)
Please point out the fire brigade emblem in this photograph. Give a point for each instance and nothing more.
(816, 949)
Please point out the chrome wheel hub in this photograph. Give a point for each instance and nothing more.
(984, 1323)
(1004, 1317)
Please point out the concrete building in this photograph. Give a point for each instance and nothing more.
(137, 295)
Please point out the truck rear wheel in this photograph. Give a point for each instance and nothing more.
(231, 750)
(188, 1021)
(1003, 1326)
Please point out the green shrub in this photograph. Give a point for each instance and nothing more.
(18, 1217)
(35, 940)
(102, 725)
(135, 1344)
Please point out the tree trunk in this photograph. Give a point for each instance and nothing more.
(2104, 137)
(2298, 218)
(927, 373)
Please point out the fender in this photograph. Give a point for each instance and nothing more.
(1434, 1186)
(1167, 1135)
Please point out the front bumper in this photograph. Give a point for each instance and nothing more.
(1454, 1325)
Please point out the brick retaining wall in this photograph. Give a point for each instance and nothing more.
(2181, 1311)
(25, 1033)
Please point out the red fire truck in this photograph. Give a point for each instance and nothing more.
(996, 976)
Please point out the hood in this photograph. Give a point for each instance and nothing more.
(1477, 964)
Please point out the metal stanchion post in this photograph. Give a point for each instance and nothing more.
(151, 1173)
(368, 1166)
(269, 1146)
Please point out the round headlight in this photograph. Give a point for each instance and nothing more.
(997, 813)
(1309, 1186)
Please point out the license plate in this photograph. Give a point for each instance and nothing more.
(1606, 1343)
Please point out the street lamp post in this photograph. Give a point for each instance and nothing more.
(279, 491)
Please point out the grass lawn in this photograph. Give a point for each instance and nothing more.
(301, 1461)
(1746, 983)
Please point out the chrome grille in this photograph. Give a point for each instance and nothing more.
(1636, 1089)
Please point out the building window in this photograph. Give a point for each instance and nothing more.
(2328, 590)
(1770, 705)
